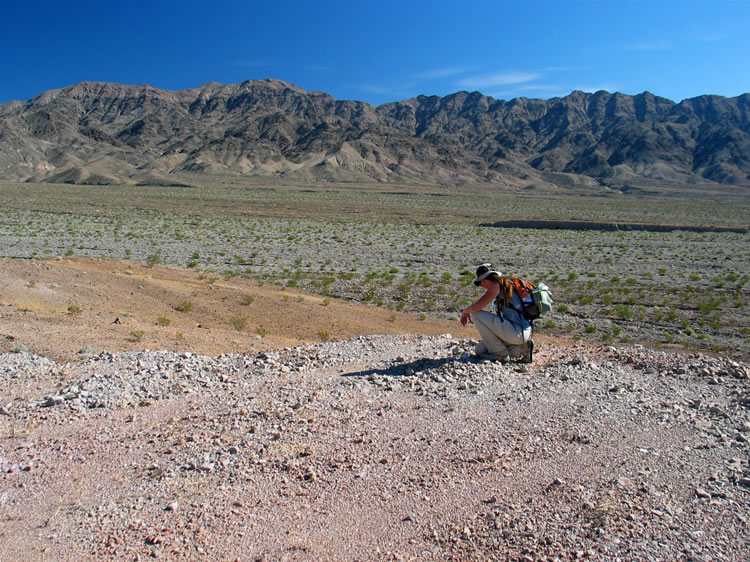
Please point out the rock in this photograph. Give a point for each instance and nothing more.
(52, 401)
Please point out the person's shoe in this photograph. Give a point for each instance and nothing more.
(529, 355)
(504, 359)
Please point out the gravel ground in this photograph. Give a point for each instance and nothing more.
(378, 447)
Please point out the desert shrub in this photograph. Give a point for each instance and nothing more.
(324, 335)
(238, 322)
(261, 331)
(163, 321)
(74, 309)
(153, 260)
(184, 306)
(707, 307)
(136, 335)
(624, 311)
(247, 300)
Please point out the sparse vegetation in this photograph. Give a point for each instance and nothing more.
(333, 243)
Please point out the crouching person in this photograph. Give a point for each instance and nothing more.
(505, 334)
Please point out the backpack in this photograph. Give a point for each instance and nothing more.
(536, 299)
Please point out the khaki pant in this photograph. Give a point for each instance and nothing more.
(499, 337)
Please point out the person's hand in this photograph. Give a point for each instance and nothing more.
(464, 318)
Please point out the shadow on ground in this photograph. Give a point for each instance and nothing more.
(404, 369)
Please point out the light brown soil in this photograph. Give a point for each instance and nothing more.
(117, 300)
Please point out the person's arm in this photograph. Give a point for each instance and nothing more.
(489, 296)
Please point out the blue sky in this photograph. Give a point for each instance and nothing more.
(380, 51)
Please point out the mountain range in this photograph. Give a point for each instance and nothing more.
(107, 133)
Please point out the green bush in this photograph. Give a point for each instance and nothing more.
(184, 306)
(152, 260)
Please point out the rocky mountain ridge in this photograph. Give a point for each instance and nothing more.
(106, 133)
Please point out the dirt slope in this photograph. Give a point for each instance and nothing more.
(121, 303)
